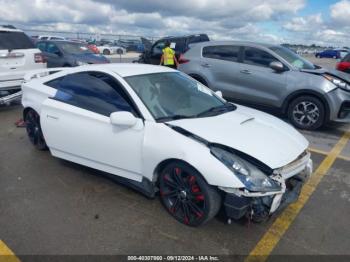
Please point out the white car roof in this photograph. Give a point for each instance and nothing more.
(124, 69)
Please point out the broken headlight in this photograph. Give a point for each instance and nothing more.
(252, 177)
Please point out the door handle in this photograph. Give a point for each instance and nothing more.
(205, 65)
(246, 71)
(52, 117)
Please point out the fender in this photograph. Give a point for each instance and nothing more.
(304, 92)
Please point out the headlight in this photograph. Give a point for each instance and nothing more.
(337, 82)
(252, 177)
(81, 63)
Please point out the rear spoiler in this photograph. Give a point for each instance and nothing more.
(41, 73)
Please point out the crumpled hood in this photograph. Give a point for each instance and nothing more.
(334, 72)
(262, 136)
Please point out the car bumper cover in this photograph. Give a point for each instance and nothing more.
(259, 208)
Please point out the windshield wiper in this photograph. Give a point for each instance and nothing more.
(217, 110)
(173, 117)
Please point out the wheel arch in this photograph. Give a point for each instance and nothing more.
(160, 167)
(306, 92)
(27, 109)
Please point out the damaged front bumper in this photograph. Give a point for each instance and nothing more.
(258, 206)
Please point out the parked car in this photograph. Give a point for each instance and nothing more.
(343, 52)
(17, 55)
(344, 64)
(111, 50)
(330, 53)
(271, 77)
(48, 37)
(153, 128)
(132, 45)
(68, 53)
(153, 52)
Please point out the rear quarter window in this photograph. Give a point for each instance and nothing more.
(15, 40)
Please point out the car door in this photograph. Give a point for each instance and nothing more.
(156, 52)
(53, 55)
(76, 124)
(260, 84)
(220, 66)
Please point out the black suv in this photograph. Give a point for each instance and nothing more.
(180, 44)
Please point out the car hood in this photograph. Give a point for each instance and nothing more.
(333, 72)
(257, 134)
(89, 58)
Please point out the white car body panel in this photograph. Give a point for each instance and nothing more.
(252, 132)
(90, 139)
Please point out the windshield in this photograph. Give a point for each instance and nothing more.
(74, 48)
(292, 58)
(174, 95)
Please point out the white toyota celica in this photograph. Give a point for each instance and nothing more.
(157, 129)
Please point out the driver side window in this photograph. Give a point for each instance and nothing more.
(52, 48)
(257, 57)
(158, 48)
(93, 91)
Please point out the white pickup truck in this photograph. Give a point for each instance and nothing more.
(18, 55)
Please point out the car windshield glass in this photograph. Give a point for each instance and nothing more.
(174, 95)
(74, 48)
(292, 58)
(15, 40)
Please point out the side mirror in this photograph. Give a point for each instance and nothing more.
(123, 119)
(277, 66)
(219, 93)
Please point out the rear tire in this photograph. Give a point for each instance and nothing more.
(34, 132)
(106, 52)
(306, 112)
(187, 196)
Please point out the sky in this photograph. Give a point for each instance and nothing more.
(322, 22)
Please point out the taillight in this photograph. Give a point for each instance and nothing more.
(183, 60)
(39, 58)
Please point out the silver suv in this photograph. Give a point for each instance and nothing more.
(271, 77)
(17, 55)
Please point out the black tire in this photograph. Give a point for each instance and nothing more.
(306, 112)
(106, 52)
(34, 132)
(187, 196)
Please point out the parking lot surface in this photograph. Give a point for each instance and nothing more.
(53, 207)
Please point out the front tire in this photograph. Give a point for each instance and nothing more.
(187, 196)
(34, 132)
(106, 52)
(306, 112)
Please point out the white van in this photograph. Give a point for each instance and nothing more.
(18, 55)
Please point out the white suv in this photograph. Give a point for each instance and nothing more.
(18, 55)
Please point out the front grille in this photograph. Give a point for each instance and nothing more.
(292, 168)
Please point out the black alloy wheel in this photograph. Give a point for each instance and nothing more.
(187, 196)
(35, 134)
